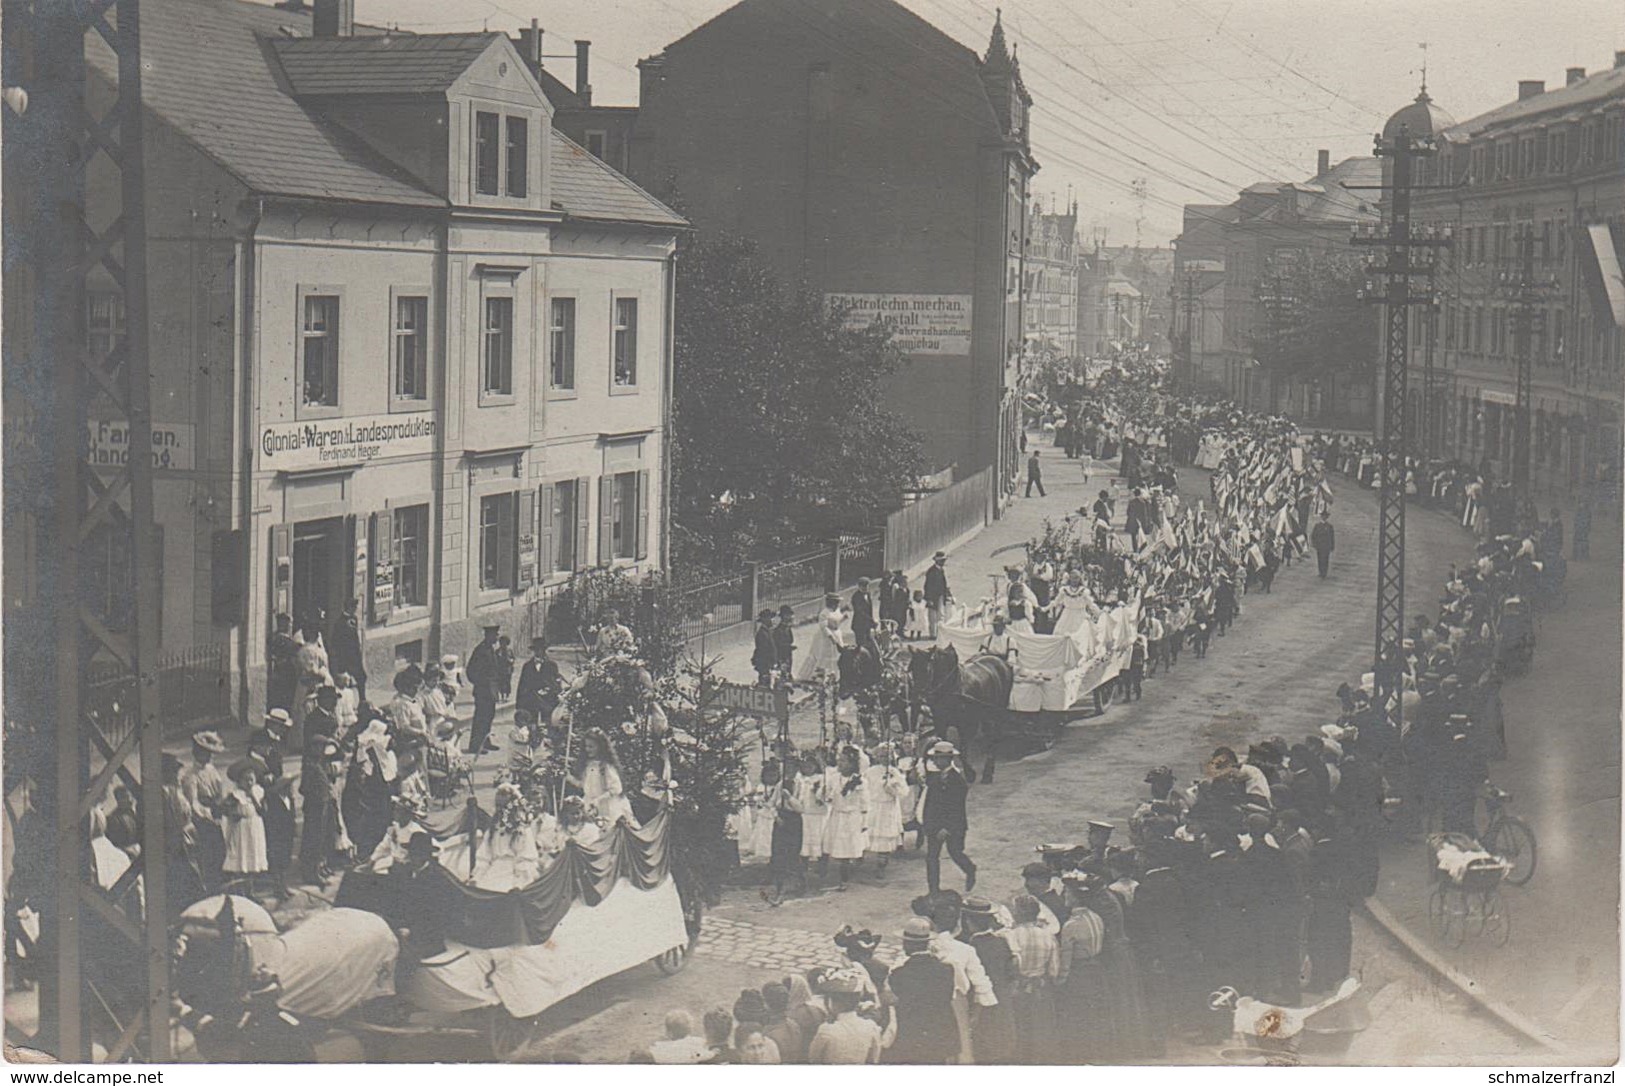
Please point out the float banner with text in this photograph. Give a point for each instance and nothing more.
(286, 446)
(920, 323)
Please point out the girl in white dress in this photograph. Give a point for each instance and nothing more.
(888, 791)
(1073, 606)
(600, 783)
(813, 801)
(824, 650)
(848, 812)
(244, 825)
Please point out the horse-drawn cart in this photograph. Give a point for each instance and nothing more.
(1044, 683)
(507, 956)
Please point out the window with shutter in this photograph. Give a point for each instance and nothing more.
(281, 570)
(381, 580)
(547, 510)
(606, 519)
(643, 514)
(583, 512)
(524, 540)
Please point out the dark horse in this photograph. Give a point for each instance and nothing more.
(971, 698)
(864, 672)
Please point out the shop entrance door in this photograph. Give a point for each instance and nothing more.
(321, 571)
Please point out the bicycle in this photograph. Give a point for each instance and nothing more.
(1508, 836)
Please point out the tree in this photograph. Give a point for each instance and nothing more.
(1315, 324)
(780, 432)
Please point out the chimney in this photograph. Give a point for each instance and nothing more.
(1323, 163)
(1619, 58)
(583, 85)
(332, 19)
(651, 73)
(1529, 88)
(1573, 76)
(530, 44)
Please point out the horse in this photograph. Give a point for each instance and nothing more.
(230, 956)
(864, 673)
(971, 698)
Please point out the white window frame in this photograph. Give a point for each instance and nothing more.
(304, 294)
(564, 543)
(506, 113)
(630, 388)
(408, 612)
(493, 287)
(570, 391)
(488, 593)
(425, 337)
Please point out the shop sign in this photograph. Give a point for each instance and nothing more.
(172, 445)
(290, 446)
(920, 323)
(753, 700)
(383, 587)
(527, 559)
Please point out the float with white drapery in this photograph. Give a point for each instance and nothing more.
(1053, 673)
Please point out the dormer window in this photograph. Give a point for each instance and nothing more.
(518, 154)
(501, 155)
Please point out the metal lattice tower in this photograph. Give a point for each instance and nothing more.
(1528, 291)
(1393, 442)
(104, 952)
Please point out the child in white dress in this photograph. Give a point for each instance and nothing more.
(848, 812)
(244, 824)
(919, 616)
(813, 801)
(888, 791)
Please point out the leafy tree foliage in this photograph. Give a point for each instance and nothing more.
(780, 430)
(1314, 322)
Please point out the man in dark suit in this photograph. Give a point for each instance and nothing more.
(539, 682)
(344, 648)
(766, 657)
(863, 614)
(1035, 476)
(1139, 518)
(485, 676)
(1324, 539)
(944, 820)
(931, 1017)
(936, 590)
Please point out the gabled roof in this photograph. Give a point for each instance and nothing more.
(379, 64)
(209, 72)
(225, 74)
(562, 96)
(584, 187)
(1579, 96)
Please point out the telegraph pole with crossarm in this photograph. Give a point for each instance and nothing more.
(1400, 268)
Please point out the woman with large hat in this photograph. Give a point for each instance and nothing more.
(243, 814)
(824, 650)
(204, 788)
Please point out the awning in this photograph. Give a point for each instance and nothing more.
(1610, 282)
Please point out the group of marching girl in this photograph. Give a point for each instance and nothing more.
(836, 801)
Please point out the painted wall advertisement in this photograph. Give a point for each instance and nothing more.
(290, 446)
(920, 323)
(172, 445)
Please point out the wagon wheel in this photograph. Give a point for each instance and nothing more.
(1436, 910)
(1497, 920)
(509, 1036)
(1454, 925)
(1105, 694)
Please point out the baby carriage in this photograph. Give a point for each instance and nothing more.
(1466, 896)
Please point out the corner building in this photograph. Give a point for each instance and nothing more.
(412, 344)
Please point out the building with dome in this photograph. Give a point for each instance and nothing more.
(1548, 162)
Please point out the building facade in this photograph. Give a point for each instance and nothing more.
(880, 163)
(1051, 308)
(1197, 298)
(1547, 164)
(1263, 240)
(410, 346)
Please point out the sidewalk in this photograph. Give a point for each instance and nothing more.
(1561, 967)
(976, 560)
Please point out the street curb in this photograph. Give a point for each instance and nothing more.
(1379, 915)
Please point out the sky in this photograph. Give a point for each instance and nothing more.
(1199, 98)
